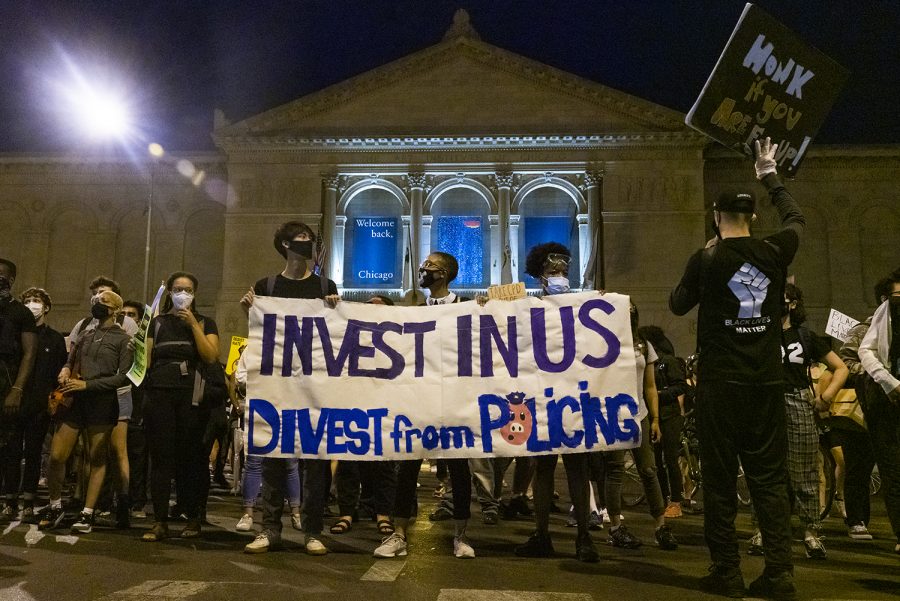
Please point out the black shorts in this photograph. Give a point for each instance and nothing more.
(93, 409)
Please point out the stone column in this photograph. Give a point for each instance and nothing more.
(329, 213)
(416, 203)
(337, 250)
(514, 248)
(504, 185)
(426, 238)
(593, 182)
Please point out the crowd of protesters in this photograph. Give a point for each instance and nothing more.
(72, 417)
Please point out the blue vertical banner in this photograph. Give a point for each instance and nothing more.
(463, 237)
(375, 252)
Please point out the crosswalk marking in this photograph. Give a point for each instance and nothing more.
(384, 570)
(462, 594)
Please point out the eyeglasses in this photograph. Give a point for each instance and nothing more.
(430, 265)
(557, 261)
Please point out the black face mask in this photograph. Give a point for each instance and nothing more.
(101, 312)
(304, 248)
(894, 306)
(427, 278)
(785, 309)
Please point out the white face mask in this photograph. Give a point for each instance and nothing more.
(182, 300)
(557, 285)
(37, 309)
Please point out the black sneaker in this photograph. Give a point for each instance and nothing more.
(84, 524)
(585, 550)
(490, 518)
(123, 512)
(665, 539)
(723, 580)
(9, 514)
(440, 514)
(50, 517)
(537, 545)
(517, 506)
(622, 538)
(29, 516)
(777, 585)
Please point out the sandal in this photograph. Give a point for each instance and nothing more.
(341, 526)
(158, 532)
(385, 527)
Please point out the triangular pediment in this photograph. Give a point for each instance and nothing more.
(461, 86)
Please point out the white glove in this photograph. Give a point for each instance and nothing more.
(765, 158)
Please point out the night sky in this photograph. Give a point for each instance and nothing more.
(177, 60)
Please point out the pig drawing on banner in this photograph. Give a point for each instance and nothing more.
(510, 378)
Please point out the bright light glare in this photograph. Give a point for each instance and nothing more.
(101, 115)
(156, 150)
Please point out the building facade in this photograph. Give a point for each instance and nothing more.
(462, 147)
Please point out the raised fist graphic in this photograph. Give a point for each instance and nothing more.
(749, 285)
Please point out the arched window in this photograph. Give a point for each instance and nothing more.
(373, 241)
(460, 227)
(549, 214)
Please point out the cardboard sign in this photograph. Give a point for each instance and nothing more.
(839, 324)
(507, 292)
(767, 82)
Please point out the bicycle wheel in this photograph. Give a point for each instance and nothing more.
(632, 487)
(826, 481)
(875, 481)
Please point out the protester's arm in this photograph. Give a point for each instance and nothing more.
(839, 373)
(118, 379)
(849, 352)
(687, 293)
(29, 348)
(652, 399)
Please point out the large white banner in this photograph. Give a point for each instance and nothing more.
(360, 381)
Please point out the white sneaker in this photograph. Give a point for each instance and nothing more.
(605, 515)
(296, 522)
(859, 532)
(260, 544)
(245, 524)
(392, 546)
(139, 514)
(315, 547)
(462, 549)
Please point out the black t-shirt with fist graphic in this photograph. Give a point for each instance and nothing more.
(739, 284)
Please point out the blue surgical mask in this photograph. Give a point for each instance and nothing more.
(557, 285)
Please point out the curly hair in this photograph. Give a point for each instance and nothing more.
(534, 262)
(794, 294)
(35, 292)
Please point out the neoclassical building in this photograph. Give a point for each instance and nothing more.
(463, 147)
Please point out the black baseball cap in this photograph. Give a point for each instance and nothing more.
(730, 202)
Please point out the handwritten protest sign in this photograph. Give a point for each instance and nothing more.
(507, 291)
(377, 382)
(139, 366)
(238, 343)
(839, 324)
(767, 82)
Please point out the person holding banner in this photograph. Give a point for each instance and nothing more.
(435, 274)
(97, 366)
(294, 241)
(178, 341)
(738, 282)
(549, 263)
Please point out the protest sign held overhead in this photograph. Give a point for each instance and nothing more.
(375, 382)
(839, 325)
(767, 83)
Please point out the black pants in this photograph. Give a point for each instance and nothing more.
(378, 477)
(883, 420)
(316, 487)
(26, 440)
(408, 476)
(138, 462)
(578, 475)
(745, 422)
(175, 431)
(668, 471)
(858, 463)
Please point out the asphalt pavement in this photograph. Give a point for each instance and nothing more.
(114, 565)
